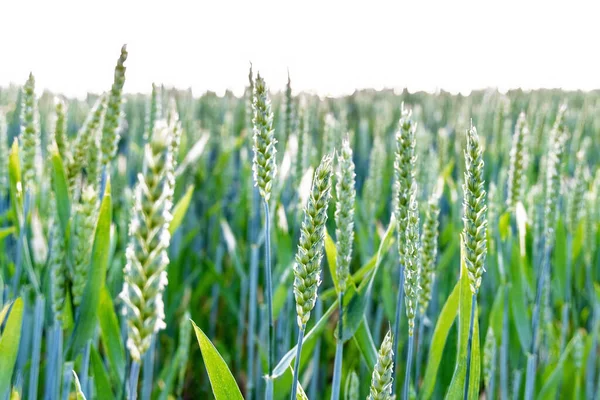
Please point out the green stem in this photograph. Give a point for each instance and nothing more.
(337, 368)
(297, 362)
(269, 298)
(399, 303)
(411, 341)
(470, 346)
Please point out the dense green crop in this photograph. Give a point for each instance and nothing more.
(263, 219)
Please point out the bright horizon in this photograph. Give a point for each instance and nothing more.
(330, 48)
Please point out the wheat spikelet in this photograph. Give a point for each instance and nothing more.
(264, 162)
(60, 131)
(57, 264)
(404, 175)
(30, 133)
(382, 377)
(307, 268)
(145, 275)
(84, 223)
(86, 148)
(519, 159)
(344, 213)
(577, 191)
(412, 263)
(474, 209)
(110, 134)
(429, 249)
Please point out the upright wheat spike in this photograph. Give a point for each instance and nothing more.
(263, 163)
(110, 134)
(429, 249)
(382, 378)
(307, 268)
(404, 190)
(30, 133)
(145, 275)
(474, 231)
(575, 201)
(519, 159)
(344, 232)
(57, 265)
(154, 112)
(474, 211)
(60, 131)
(86, 148)
(84, 224)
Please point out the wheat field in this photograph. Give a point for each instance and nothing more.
(281, 245)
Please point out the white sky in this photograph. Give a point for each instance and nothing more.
(330, 47)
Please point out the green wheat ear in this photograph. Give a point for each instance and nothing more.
(474, 210)
(519, 159)
(84, 224)
(87, 147)
(576, 196)
(382, 377)
(307, 268)
(344, 213)
(412, 262)
(30, 133)
(404, 174)
(110, 134)
(145, 275)
(60, 131)
(429, 249)
(264, 164)
(57, 265)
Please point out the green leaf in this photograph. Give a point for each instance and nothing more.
(551, 382)
(353, 315)
(312, 335)
(331, 253)
(111, 335)
(504, 225)
(80, 395)
(517, 298)
(61, 190)
(364, 341)
(5, 232)
(101, 381)
(9, 345)
(88, 312)
(180, 209)
(438, 341)
(457, 386)
(223, 383)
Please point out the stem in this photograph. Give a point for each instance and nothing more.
(531, 367)
(269, 297)
(38, 326)
(337, 367)
(399, 302)
(316, 356)
(411, 341)
(67, 378)
(147, 376)
(470, 345)
(297, 362)
(252, 318)
(421, 332)
(491, 389)
(504, 350)
(134, 375)
(85, 364)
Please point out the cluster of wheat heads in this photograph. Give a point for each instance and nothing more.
(379, 245)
